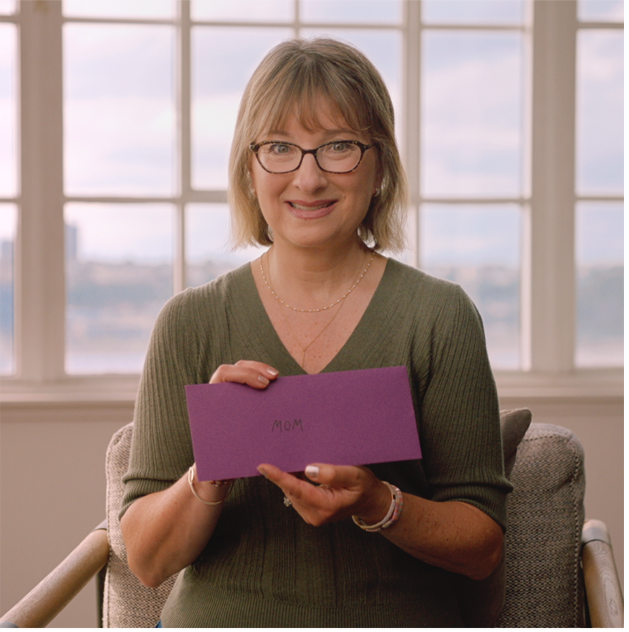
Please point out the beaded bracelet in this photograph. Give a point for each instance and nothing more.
(215, 483)
(393, 515)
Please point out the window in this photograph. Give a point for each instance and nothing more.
(599, 185)
(8, 189)
(473, 182)
(126, 111)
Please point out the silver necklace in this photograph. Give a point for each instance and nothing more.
(321, 309)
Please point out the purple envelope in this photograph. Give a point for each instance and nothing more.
(345, 418)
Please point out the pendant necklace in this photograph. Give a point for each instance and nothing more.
(296, 309)
(305, 349)
(321, 309)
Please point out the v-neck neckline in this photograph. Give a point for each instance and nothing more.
(261, 331)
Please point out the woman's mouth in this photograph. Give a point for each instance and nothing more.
(311, 210)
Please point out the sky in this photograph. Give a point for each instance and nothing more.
(121, 119)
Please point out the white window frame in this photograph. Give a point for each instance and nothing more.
(548, 278)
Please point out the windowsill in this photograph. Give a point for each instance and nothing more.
(115, 389)
(577, 384)
(121, 389)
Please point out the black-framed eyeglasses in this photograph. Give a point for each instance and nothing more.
(339, 156)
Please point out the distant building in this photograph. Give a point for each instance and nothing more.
(71, 236)
(6, 252)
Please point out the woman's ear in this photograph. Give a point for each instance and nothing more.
(377, 185)
(379, 174)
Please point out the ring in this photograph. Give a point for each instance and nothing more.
(287, 501)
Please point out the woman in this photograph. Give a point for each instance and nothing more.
(315, 174)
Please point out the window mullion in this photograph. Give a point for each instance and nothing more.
(40, 331)
(412, 99)
(549, 294)
(184, 156)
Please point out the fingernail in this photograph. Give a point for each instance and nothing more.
(262, 471)
(312, 471)
(272, 372)
(262, 379)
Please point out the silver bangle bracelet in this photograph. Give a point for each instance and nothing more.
(393, 515)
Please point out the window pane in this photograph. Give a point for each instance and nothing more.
(472, 100)
(478, 247)
(208, 251)
(600, 279)
(8, 110)
(352, 11)
(383, 48)
(243, 10)
(120, 8)
(217, 88)
(119, 109)
(119, 270)
(472, 11)
(601, 10)
(600, 112)
(8, 220)
(7, 7)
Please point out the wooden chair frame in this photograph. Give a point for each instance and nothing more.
(39, 607)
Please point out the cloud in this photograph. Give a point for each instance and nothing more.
(8, 215)
(120, 8)
(470, 235)
(143, 233)
(245, 10)
(120, 146)
(472, 114)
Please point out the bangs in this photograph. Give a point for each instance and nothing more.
(299, 90)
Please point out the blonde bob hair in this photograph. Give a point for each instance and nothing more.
(291, 78)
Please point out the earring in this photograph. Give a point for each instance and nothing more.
(376, 193)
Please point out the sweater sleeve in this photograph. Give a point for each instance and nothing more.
(459, 413)
(161, 448)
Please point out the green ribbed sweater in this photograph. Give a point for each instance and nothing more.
(265, 567)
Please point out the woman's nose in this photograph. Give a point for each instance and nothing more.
(309, 176)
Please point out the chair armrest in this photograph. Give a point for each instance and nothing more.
(602, 586)
(54, 592)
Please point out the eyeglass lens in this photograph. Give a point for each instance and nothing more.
(334, 157)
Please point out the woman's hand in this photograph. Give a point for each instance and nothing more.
(166, 531)
(342, 491)
(453, 535)
(254, 374)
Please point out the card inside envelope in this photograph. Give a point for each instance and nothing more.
(345, 418)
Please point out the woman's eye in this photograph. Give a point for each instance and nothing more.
(340, 147)
(279, 149)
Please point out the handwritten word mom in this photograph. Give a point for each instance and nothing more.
(286, 426)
